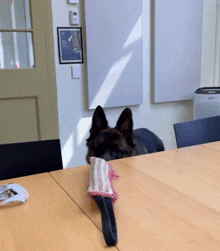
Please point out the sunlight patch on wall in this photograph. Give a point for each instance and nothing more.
(68, 151)
(83, 127)
(111, 80)
(135, 34)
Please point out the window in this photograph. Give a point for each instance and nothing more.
(16, 42)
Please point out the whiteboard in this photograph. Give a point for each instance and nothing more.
(114, 52)
(177, 49)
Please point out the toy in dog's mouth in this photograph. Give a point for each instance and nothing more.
(102, 191)
(100, 179)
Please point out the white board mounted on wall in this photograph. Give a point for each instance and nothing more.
(114, 51)
(177, 49)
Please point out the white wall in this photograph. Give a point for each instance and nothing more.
(75, 119)
(208, 48)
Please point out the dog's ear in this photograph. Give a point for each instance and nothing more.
(99, 121)
(125, 123)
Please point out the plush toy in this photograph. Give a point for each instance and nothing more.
(102, 191)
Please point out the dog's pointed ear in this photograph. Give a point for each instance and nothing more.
(125, 123)
(99, 121)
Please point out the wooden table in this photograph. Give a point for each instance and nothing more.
(48, 220)
(167, 201)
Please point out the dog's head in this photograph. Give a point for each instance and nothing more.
(110, 143)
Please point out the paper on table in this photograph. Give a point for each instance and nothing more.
(12, 192)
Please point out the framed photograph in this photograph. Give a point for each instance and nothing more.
(70, 45)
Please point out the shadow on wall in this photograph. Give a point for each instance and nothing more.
(118, 68)
(113, 62)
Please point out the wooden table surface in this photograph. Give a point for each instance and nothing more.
(48, 221)
(167, 201)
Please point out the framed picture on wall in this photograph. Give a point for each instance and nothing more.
(70, 45)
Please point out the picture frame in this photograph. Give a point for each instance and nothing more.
(70, 45)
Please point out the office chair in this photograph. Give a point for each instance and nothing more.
(197, 131)
(22, 159)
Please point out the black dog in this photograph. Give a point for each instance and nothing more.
(121, 141)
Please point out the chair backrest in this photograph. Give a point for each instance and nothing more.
(21, 159)
(197, 131)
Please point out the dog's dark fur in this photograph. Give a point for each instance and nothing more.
(119, 142)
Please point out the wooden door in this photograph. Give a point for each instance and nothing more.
(28, 97)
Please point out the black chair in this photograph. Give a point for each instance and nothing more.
(197, 131)
(22, 159)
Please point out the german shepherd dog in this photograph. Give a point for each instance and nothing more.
(121, 141)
